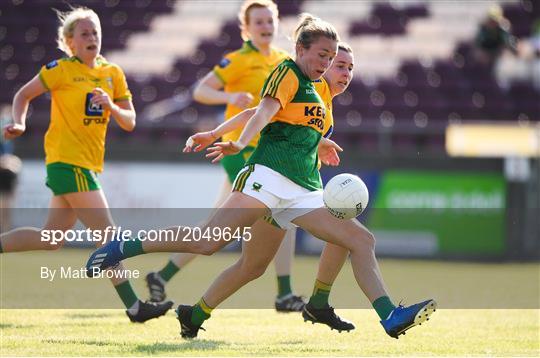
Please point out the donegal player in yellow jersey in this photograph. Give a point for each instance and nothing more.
(281, 178)
(237, 81)
(85, 91)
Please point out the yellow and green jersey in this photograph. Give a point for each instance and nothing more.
(77, 130)
(290, 141)
(245, 70)
(323, 89)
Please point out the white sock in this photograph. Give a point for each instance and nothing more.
(134, 308)
(160, 279)
(286, 297)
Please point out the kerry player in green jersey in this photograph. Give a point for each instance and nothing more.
(282, 179)
(237, 82)
(257, 254)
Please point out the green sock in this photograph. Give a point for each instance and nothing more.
(383, 306)
(284, 285)
(126, 293)
(168, 271)
(319, 297)
(201, 312)
(131, 248)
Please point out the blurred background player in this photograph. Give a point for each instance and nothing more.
(85, 91)
(10, 166)
(237, 81)
(493, 37)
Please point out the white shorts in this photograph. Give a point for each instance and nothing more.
(286, 199)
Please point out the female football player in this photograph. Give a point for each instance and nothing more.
(237, 82)
(256, 254)
(281, 178)
(85, 90)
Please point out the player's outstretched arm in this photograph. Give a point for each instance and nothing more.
(201, 140)
(21, 101)
(266, 110)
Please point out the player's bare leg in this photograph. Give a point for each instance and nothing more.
(60, 217)
(92, 209)
(157, 280)
(353, 236)
(286, 300)
(257, 254)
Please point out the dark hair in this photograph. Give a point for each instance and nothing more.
(345, 47)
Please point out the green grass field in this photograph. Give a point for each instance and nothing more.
(262, 332)
(265, 333)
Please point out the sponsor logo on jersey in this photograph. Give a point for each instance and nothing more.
(318, 115)
(96, 120)
(317, 122)
(224, 62)
(79, 79)
(51, 64)
(92, 109)
(256, 186)
(315, 111)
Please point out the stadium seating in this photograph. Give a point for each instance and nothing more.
(413, 73)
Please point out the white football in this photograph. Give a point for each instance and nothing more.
(346, 196)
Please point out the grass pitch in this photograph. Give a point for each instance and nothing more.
(262, 332)
(266, 333)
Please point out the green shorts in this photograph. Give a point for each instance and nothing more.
(233, 163)
(65, 178)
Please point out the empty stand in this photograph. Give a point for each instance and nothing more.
(413, 73)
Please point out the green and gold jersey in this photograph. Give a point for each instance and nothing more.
(245, 70)
(323, 89)
(290, 141)
(77, 130)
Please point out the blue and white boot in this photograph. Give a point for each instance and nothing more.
(403, 318)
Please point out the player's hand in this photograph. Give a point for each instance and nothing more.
(102, 98)
(13, 130)
(328, 152)
(221, 149)
(240, 99)
(199, 141)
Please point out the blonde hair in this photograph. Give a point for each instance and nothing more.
(243, 15)
(68, 21)
(310, 28)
